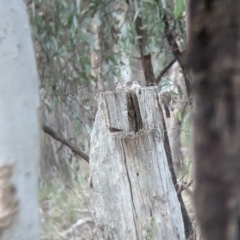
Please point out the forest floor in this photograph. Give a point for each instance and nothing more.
(65, 211)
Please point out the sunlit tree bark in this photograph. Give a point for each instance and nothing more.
(19, 127)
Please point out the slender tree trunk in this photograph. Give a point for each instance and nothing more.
(19, 127)
(96, 57)
(214, 59)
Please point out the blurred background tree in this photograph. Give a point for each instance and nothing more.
(84, 47)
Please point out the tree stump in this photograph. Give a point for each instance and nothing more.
(133, 195)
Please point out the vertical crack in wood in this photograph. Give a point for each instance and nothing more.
(124, 170)
(134, 115)
(186, 220)
(130, 186)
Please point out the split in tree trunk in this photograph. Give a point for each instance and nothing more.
(133, 195)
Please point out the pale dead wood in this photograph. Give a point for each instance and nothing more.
(133, 195)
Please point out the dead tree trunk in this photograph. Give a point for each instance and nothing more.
(133, 195)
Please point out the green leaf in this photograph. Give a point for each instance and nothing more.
(78, 127)
(165, 82)
(89, 129)
(75, 114)
(179, 116)
(136, 15)
(148, 1)
(49, 109)
(179, 7)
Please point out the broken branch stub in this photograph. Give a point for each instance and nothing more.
(133, 196)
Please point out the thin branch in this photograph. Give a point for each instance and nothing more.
(79, 223)
(171, 40)
(186, 220)
(146, 59)
(185, 186)
(177, 54)
(64, 141)
(164, 70)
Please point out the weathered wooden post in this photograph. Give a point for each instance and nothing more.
(133, 196)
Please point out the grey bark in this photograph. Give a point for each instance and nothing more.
(174, 124)
(133, 195)
(19, 127)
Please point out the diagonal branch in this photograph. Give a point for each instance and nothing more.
(177, 54)
(164, 70)
(64, 141)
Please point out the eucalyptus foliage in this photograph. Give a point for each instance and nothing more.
(64, 38)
